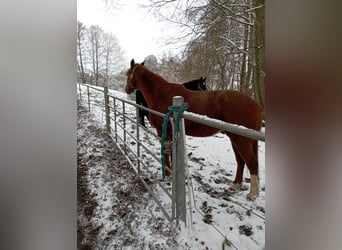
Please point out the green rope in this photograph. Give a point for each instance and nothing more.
(179, 111)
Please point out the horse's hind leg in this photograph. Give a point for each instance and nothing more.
(246, 148)
(240, 167)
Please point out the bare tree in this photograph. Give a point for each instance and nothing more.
(99, 55)
(112, 4)
(95, 35)
(151, 61)
(260, 51)
(227, 41)
(112, 55)
(80, 43)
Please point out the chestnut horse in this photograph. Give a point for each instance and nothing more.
(197, 84)
(226, 105)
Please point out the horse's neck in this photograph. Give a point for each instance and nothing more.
(150, 84)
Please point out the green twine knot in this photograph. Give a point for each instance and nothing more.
(179, 112)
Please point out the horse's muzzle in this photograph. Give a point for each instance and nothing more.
(129, 88)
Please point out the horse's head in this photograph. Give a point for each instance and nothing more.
(131, 83)
(201, 84)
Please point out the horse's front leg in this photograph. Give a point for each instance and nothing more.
(142, 117)
(168, 158)
(168, 148)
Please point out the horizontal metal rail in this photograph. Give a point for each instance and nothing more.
(166, 214)
(94, 87)
(230, 127)
(126, 148)
(138, 106)
(136, 140)
(141, 161)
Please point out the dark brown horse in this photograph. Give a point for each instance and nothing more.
(226, 105)
(197, 85)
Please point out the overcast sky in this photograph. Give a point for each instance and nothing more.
(137, 31)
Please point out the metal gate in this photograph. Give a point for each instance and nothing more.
(124, 128)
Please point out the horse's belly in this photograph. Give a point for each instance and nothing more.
(195, 129)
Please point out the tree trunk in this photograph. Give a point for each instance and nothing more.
(260, 51)
(250, 63)
(222, 80)
(80, 33)
(243, 74)
(94, 60)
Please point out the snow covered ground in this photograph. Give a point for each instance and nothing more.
(115, 211)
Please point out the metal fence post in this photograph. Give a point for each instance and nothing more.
(138, 139)
(79, 90)
(115, 121)
(88, 97)
(178, 163)
(124, 126)
(107, 111)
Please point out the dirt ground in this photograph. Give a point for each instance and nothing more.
(125, 203)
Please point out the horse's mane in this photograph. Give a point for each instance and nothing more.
(150, 76)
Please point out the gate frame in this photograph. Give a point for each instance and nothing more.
(178, 197)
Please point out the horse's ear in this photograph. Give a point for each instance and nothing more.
(143, 62)
(132, 63)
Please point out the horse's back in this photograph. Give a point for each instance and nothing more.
(227, 105)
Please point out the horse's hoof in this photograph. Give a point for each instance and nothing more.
(254, 191)
(235, 187)
(251, 196)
